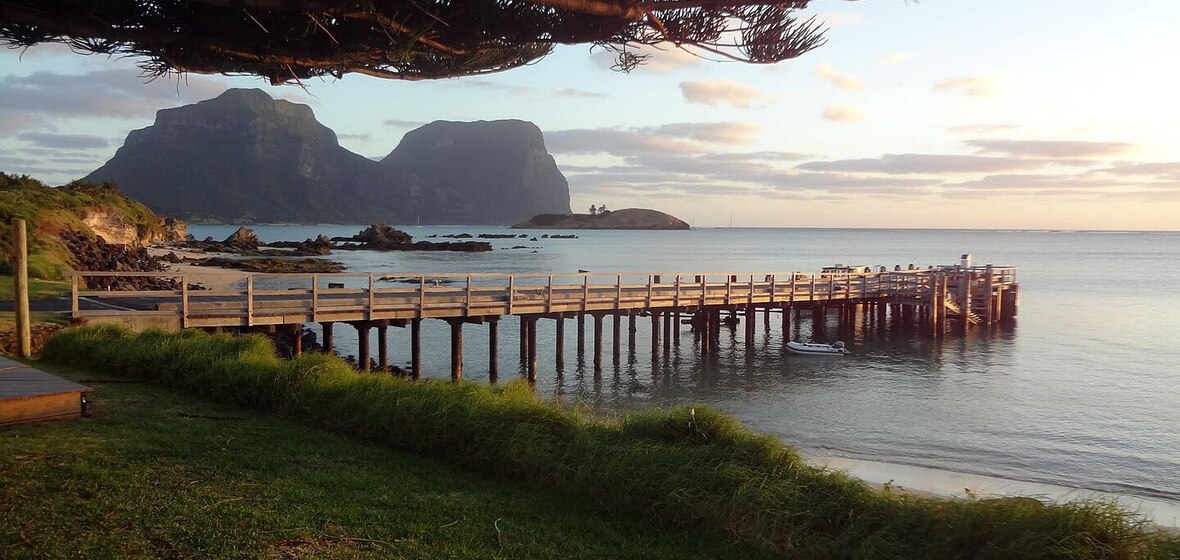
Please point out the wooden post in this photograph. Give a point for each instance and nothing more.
(74, 307)
(597, 342)
(581, 319)
(493, 348)
(655, 333)
(560, 336)
(989, 312)
(675, 334)
(362, 335)
(415, 348)
(297, 342)
(750, 318)
(20, 281)
(249, 300)
(616, 338)
(532, 365)
(329, 341)
(667, 332)
(456, 349)
(965, 304)
(631, 329)
(786, 326)
(524, 338)
(382, 347)
(703, 328)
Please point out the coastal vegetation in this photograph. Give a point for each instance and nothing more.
(51, 211)
(685, 468)
(156, 473)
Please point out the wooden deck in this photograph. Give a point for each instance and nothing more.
(29, 395)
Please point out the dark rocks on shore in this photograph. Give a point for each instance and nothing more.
(380, 237)
(99, 256)
(275, 265)
(319, 246)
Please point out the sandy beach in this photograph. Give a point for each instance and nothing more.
(213, 278)
(950, 484)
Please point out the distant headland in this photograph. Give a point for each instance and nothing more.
(627, 218)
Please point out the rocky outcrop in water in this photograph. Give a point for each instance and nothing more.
(627, 218)
(380, 237)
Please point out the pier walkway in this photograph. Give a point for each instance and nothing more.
(940, 299)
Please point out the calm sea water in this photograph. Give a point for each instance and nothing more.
(1083, 391)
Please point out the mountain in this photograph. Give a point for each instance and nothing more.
(245, 157)
(499, 170)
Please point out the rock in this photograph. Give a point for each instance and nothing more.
(380, 237)
(275, 265)
(243, 239)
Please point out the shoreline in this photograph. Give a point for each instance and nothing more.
(942, 483)
(212, 277)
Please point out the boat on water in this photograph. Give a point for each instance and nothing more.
(809, 348)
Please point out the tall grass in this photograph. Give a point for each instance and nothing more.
(687, 466)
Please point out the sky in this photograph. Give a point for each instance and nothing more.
(1007, 114)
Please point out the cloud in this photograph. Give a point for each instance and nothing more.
(114, 93)
(715, 132)
(846, 82)
(897, 58)
(904, 164)
(361, 136)
(717, 92)
(75, 141)
(982, 128)
(571, 92)
(1051, 148)
(676, 138)
(985, 86)
(843, 113)
(1152, 169)
(13, 123)
(402, 123)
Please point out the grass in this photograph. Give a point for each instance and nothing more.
(684, 468)
(159, 474)
(38, 288)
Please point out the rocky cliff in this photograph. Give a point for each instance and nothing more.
(499, 171)
(245, 157)
(627, 218)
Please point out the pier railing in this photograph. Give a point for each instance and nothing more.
(271, 299)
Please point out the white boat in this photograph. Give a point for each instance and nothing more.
(833, 349)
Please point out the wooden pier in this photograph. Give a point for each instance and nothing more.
(936, 299)
(28, 394)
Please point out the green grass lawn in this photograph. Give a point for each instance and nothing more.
(38, 288)
(159, 474)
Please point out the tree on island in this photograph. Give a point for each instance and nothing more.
(602, 211)
(294, 40)
(593, 210)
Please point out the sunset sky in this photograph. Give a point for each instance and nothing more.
(1054, 114)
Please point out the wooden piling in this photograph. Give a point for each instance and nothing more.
(297, 342)
(329, 341)
(20, 280)
(750, 318)
(532, 358)
(362, 335)
(616, 338)
(524, 338)
(581, 319)
(493, 349)
(655, 333)
(667, 315)
(559, 335)
(631, 330)
(456, 349)
(415, 348)
(597, 342)
(382, 347)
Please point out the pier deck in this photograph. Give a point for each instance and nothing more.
(937, 298)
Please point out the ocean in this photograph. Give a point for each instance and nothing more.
(1082, 391)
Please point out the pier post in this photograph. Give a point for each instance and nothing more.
(329, 341)
(631, 330)
(616, 338)
(667, 315)
(597, 342)
(532, 366)
(456, 349)
(297, 342)
(493, 349)
(655, 333)
(581, 319)
(988, 313)
(676, 326)
(559, 335)
(362, 335)
(415, 348)
(524, 338)
(750, 318)
(965, 305)
(382, 347)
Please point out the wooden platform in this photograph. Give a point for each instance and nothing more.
(30, 395)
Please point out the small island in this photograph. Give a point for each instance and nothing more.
(627, 218)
